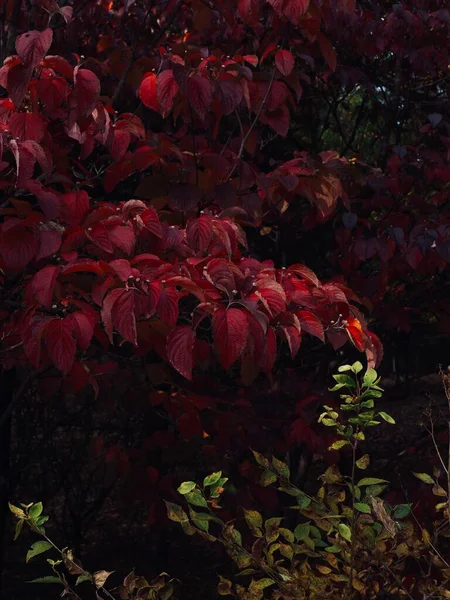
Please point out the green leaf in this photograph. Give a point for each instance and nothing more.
(357, 367)
(345, 532)
(287, 534)
(375, 490)
(82, 578)
(401, 511)
(333, 549)
(368, 403)
(16, 511)
(36, 510)
(364, 508)
(280, 467)
(38, 548)
(338, 445)
(303, 501)
(301, 532)
(176, 513)
(201, 520)
(267, 478)
(370, 481)
(260, 459)
(46, 579)
(186, 487)
(253, 518)
(328, 422)
(345, 368)
(345, 380)
(370, 376)
(19, 526)
(387, 418)
(424, 477)
(261, 584)
(196, 498)
(217, 488)
(336, 387)
(212, 479)
(363, 462)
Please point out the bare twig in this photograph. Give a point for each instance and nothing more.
(250, 129)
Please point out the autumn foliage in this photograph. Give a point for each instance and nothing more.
(151, 228)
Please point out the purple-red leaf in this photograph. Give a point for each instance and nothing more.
(61, 345)
(180, 346)
(230, 330)
(43, 283)
(284, 62)
(33, 46)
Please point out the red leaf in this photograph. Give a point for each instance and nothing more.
(49, 242)
(179, 346)
(293, 337)
(230, 330)
(52, 92)
(199, 94)
(166, 90)
(87, 89)
(83, 325)
(59, 64)
(119, 144)
(123, 317)
(60, 344)
(278, 119)
(27, 126)
(75, 205)
(123, 238)
(230, 94)
(147, 92)
(117, 172)
(48, 199)
(33, 46)
(199, 233)
(167, 307)
(284, 61)
(249, 11)
(18, 79)
(356, 334)
(18, 245)
(304, 272)
(99, 235)
(272, 295)
(374, 351)
(151, 221)
(279, 93)
(311, 324)
(106, 313)
(25, 162)
(292, 9)
(43, 283)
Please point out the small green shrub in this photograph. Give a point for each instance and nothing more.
(68, 572)
(349, 542)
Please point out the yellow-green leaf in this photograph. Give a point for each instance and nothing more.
(424, 477)
(38, 548)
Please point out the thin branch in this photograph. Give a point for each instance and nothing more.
(247, 135)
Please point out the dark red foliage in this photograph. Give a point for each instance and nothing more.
(134, 172)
